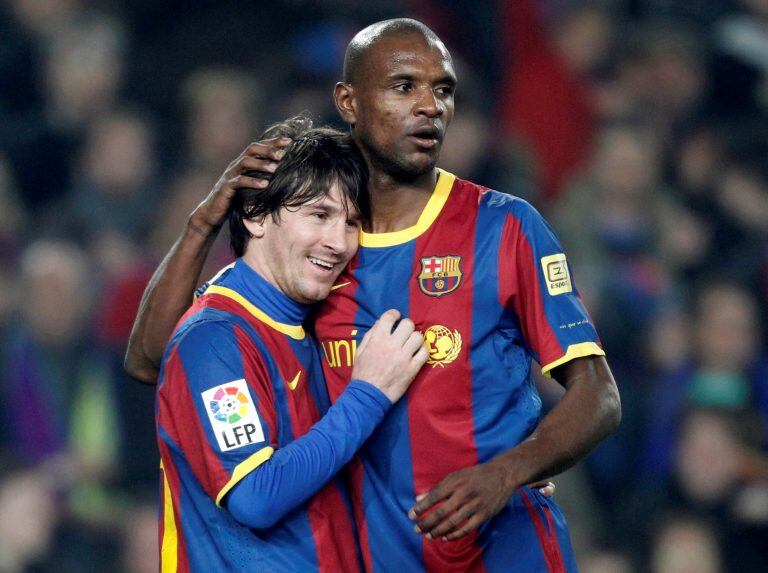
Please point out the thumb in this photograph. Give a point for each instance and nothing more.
(364, 342)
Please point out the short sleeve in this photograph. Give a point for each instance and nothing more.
(536, 282)
(216, 405)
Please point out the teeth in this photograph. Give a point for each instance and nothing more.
(320, 262)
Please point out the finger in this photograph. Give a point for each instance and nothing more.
(420, 358)
(364, 342)
(438, 493)
(437, 516)
(547, 489)
(256, 164)
(403, 331)
(387, 321)
(472, 523)
(419, 355)
(265, 151)
(245, 182)
(276, 141)
(414, 342)
(453, 522)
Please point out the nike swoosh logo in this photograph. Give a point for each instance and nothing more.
(295, 382)
(334, 287)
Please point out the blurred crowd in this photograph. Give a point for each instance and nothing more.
(638, 127)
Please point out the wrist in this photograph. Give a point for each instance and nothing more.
(374, 391)
(201, 227)
(508, 467)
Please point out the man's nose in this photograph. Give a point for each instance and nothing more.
(336, 237)
(429, 104)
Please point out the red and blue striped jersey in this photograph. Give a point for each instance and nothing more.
(483, 276)
(240, 379)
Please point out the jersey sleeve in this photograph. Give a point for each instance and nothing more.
(536, 282)
(298, 470)
(220, 422)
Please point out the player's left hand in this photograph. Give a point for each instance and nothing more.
(462, 502)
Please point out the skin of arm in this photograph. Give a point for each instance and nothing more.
(589, 411)
(165, 299)
(170, 290)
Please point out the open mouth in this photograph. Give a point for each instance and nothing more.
(427, 137)
(322, 264)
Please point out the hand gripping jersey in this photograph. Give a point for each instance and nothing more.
(484, 278)
(239, 380)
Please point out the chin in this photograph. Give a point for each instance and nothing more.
(317, 294)
(419, 163)
(406, 165)
(410, 169)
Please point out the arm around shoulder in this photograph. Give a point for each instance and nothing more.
(168, 294)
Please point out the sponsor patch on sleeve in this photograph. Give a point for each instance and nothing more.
(233, 415)
(556, 274)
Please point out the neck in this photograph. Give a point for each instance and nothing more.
(397, 204)
(263, 292)
(254, 259)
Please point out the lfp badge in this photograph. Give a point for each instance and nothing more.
(440, 275)
(233, 416)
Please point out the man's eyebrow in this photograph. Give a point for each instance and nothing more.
(401, 76)
(446, 79)
(324, 205)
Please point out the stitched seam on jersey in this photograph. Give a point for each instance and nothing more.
(243, 469)
(574, 351)
(294, 331)
(432, 209)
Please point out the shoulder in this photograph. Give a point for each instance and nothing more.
(506, 204)
(496, 209)
(211, 347)
(211, 331)
(493, 200)
(217, 279)
(511, 213)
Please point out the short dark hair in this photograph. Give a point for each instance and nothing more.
(317, 158)
(367, 37)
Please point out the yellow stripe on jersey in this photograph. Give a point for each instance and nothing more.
(295, 332)
(170, 543)
(574, 351)
(243, 469)
(427, 217)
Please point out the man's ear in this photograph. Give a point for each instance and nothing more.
(255, 226)
(344, 97)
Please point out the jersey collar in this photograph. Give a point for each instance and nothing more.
(432, 209)
(262, 300)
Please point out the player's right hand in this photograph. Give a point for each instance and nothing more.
(263, 157)
(390, 355)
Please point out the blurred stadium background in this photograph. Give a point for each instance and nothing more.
(638, 127)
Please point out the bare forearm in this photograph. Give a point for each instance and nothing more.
(589, 411)
(165, 299)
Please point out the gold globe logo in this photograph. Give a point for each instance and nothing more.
(443, 345)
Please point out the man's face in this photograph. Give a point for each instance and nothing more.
(403, 103)
(305, 251)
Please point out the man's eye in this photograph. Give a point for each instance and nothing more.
(353, 224)
(445, 90)
(403, 87)
(320, 215)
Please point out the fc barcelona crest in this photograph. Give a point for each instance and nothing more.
(440, 275)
